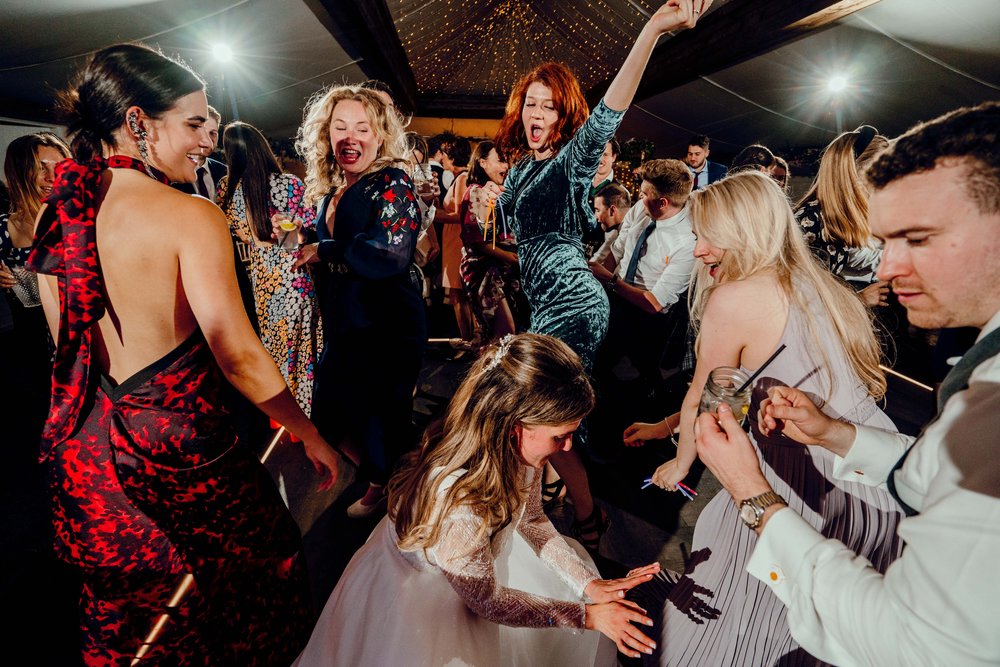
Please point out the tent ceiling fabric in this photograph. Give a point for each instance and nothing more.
(906, 60)
(482, 47)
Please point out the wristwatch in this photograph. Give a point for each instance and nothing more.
(752, 509)
(612, 283)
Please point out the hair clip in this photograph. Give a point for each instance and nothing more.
(502, 349)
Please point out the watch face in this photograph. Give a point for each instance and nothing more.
(749, 514)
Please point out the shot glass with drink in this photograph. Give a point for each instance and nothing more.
(423, 180)
(288, 237)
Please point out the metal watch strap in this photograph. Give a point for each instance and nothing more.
(761, 503)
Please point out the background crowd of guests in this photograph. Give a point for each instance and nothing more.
(308, 295)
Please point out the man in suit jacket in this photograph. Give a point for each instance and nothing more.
(210, 171)
(702, 169)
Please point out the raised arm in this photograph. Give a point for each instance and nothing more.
(673, 15)
(208, 278)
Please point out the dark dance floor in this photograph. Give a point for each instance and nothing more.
(647, 525)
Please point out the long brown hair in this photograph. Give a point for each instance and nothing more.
(842, 189)
(21, 167)
(251, 163)
(567, 98)
(529, 379)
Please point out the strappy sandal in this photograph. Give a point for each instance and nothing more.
(596, 524)
(551, 493)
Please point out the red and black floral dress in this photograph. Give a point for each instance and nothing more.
(149, 483)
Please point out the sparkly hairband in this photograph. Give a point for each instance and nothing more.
(501, 352)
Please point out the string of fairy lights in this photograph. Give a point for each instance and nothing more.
(481, 47)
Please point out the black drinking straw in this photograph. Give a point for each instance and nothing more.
(763, 366)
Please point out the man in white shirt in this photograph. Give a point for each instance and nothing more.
(648, 269)
(611, 204)
(936, 206)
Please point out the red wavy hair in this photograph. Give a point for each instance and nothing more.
(567, 98)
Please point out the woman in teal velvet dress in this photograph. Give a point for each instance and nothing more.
(555, 149)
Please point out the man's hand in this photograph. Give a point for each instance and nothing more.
(728, 453)
(600, 272)
(793, 412)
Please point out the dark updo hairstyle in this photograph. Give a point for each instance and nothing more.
(251, 163)
(116, 78)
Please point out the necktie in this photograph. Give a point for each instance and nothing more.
(956, 380)
(640, 246)
(202, 183)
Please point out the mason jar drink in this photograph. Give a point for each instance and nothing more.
(721, 387)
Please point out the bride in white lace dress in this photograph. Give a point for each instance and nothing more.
(467, 569)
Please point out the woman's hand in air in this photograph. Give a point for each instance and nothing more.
(609, 590)
(639, 433)
(678, 15)
(308, 254)
(614, 620)
(324, 460)
(669, 474)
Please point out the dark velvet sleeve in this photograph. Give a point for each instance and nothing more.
(385, 247)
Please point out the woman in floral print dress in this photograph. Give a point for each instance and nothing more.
(285, 296)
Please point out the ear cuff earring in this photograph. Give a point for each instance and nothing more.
(140, 139)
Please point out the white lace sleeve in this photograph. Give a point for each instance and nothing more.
(551, 547)
(468, 565)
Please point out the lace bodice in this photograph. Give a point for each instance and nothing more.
(469, 563)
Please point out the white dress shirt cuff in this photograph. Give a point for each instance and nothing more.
(780, 551)
(872, 456)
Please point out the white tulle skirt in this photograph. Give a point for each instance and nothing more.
(389, 611)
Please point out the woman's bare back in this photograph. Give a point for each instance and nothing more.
(143, 228)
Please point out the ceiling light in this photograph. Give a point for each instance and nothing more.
(222, 53)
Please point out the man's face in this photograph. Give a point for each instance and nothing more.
(607, 163)
(696, 157)
(212, 126)
(940, 251)
(656, 206)
(605, 214)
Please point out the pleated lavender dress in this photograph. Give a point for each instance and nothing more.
(716, 613)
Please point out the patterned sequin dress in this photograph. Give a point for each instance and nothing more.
(149, 484)
(545, 205)
(285, 297)
(510, 599)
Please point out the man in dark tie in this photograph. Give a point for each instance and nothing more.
(648, 270)
(702, 169)
(209, 172)
(936, 207)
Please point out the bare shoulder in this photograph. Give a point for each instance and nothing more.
(750, 296)
(188, 215)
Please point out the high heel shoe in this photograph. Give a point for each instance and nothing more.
(376, 497)
(552, 493)
(590, 531)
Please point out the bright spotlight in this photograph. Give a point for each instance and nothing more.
(222, 53)
(837, 84)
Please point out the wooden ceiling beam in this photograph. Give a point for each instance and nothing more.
(735, 32)
(365, 30)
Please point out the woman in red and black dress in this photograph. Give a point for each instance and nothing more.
(148, 481)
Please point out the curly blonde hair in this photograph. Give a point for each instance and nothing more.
(536, 380)
(323, 174)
